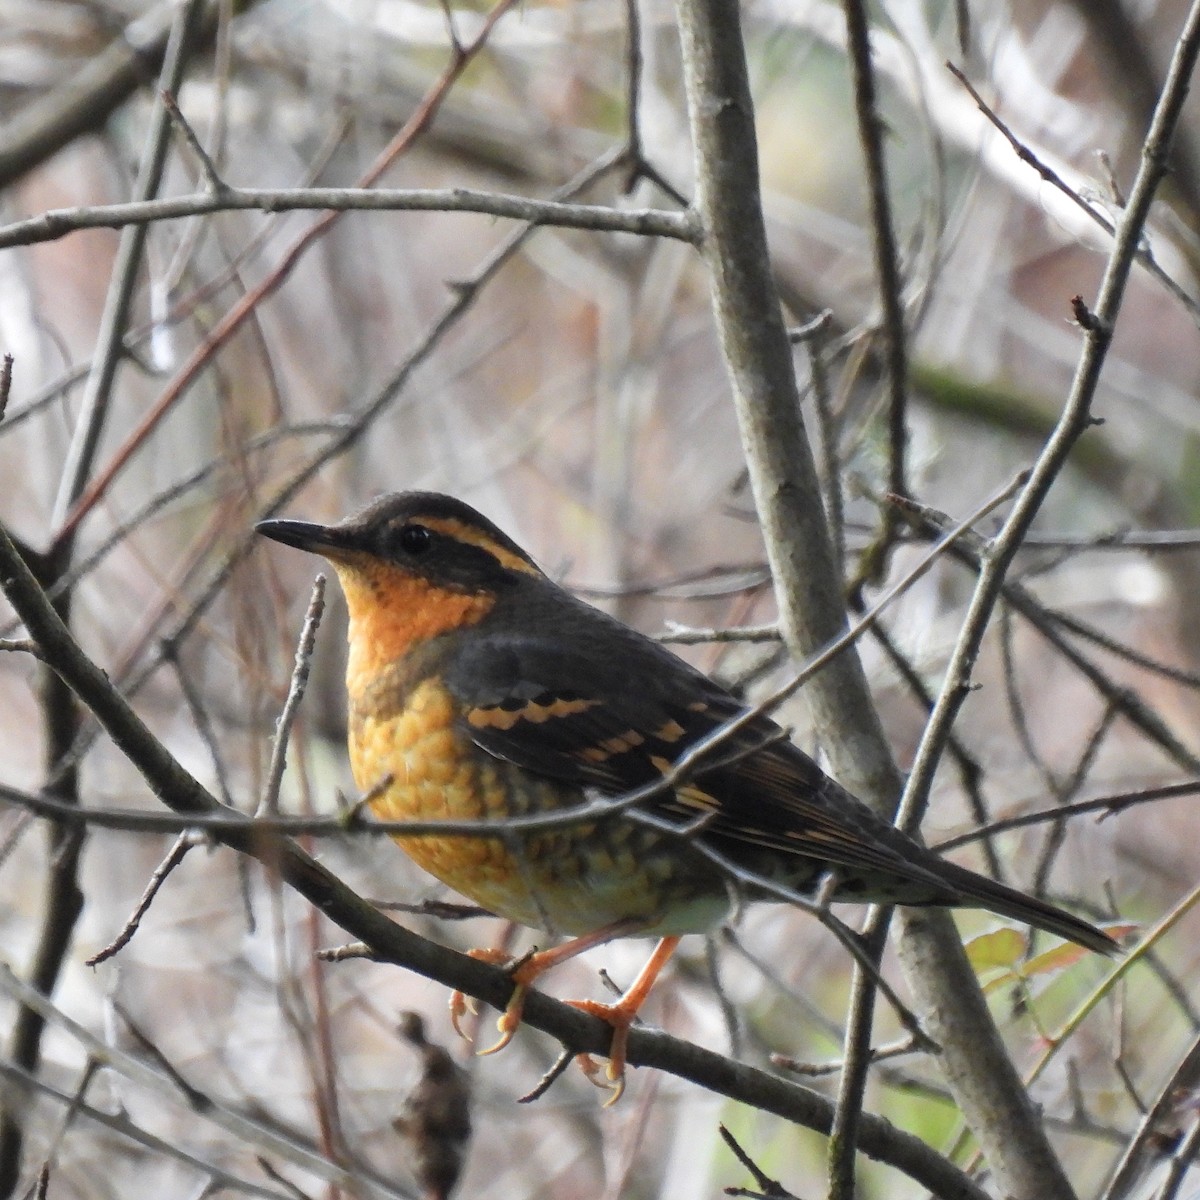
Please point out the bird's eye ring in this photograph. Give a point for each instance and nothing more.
(414, 539)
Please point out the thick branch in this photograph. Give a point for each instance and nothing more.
(811, 610)
(758, 357)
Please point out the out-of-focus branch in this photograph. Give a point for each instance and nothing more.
(61, 714)
(1052, 177)
(170, 1088)
(861, 1017)
(887, 258)
(119, 299)
(601, 218)
(86, 100)
(1131, 68)
(1142, 1148)
(758, 356)
(930, 975)
(1051, 625)
(233, 320)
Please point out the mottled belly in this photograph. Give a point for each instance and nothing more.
(569, 880)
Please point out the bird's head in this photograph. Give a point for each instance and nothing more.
(413, 566)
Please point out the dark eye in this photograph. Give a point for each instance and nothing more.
(414, 539)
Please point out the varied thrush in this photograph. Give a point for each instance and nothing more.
(479, 688)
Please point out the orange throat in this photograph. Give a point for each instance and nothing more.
(391, 612)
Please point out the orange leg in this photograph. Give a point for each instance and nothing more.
(527, 970)
(622, 1015)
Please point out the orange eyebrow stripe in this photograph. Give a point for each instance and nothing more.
(461, 531)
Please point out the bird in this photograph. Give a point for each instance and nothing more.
(479, 689)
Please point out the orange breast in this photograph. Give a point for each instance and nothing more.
(570, 880)
(436, 775)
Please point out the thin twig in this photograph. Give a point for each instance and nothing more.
(1181, 1081)
(769, 1187)
(200, 718)
(216, 185)
(296, 689)
(123, 1127)
(1105, 805)
(1073, 624)
(1142, 251)
(6, 376)
(547, 1081)
(85, 439)
(889, 289)
(1035, 1170)
(599, 218)
(681, 635)
(975, 553)
(183, 843)
(20, 646)
(969, 769)
(1069, 787)
(856, 1061)
(813, 338)
(1181, 1162)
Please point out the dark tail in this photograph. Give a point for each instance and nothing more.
(974, 890)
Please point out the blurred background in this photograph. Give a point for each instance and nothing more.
(573, 390)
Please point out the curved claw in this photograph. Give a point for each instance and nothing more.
(603, 1077)
(460, 1005)
(506, 1036)
(618, 1090)
(510, 1019)
(621, 1018)
(621, 1015)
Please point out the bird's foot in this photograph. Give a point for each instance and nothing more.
(461, 1004)
(621, 1017)
(523, 971)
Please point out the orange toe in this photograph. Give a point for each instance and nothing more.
(461, 1004)
(621, 1017)
(523, 973)
(510, 1018)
